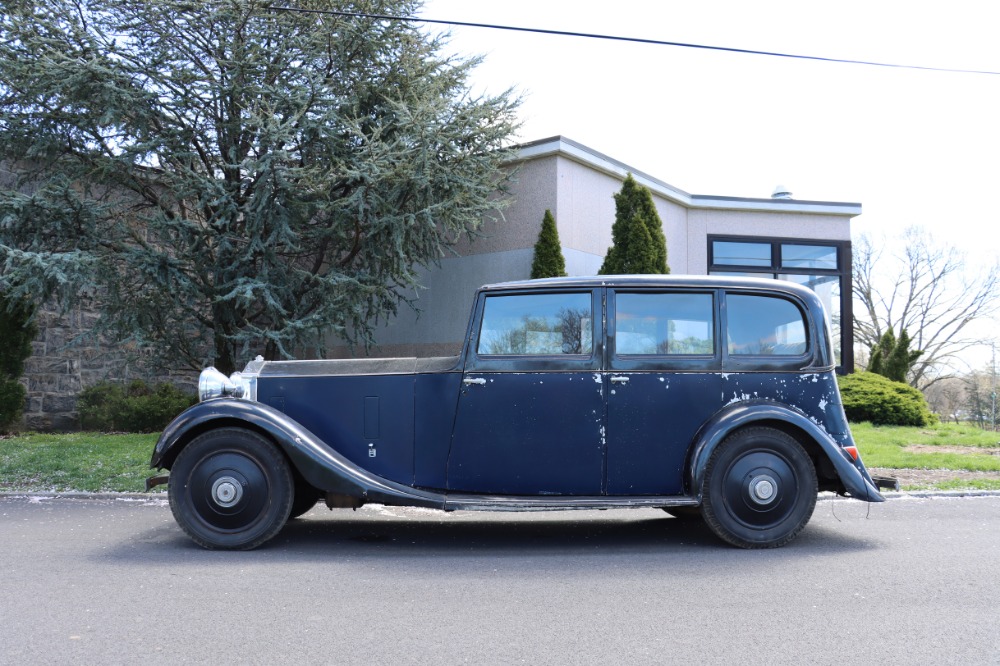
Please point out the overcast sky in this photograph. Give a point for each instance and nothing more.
(913, 147)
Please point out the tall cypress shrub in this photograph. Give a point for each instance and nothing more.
(17, 330)
(638, 242)
(892, 357)
(548, 261)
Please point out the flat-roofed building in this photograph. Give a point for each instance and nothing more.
(808, 242)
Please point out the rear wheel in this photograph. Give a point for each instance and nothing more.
(760, 488)
(231, 489)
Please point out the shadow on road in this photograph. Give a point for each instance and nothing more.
(320, 535)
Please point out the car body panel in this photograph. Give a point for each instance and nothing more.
(374, 428)
(531, 433)
(643, 464)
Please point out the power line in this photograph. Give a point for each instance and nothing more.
(634, 40)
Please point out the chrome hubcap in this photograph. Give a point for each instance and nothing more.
(227, 491)
(763, 489)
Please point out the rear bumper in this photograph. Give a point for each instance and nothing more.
(886, 482)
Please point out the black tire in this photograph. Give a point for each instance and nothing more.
(759, 488)
(306, 498)
(684, 512)
(231, 489)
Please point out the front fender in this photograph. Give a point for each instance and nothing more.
(853, 475)
(320, 465)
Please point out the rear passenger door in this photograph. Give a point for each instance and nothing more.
(664, 362)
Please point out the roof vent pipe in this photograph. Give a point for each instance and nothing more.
(781, 192)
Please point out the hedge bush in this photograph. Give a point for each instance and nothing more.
(881, 401)
(111, 407)
(17, 330)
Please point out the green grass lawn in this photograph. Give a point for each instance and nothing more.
(939, 447)
(120, 463)
(80, 461)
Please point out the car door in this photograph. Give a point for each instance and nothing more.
(664, 382)
(530, 417)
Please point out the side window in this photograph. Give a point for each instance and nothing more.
(664, 324)
(536, 324)
(764, 326)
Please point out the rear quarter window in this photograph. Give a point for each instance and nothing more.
(764, 326)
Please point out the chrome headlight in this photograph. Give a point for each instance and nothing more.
(214, 384)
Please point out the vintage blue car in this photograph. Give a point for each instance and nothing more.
(702, 396)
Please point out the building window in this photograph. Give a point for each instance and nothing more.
(823, 266)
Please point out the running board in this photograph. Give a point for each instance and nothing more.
(559, 503)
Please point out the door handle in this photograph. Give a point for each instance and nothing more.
(619, 380)
(478, 381)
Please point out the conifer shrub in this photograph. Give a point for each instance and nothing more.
(871, 397)
(548, 260)
(892, 357)
(17, 330)
(638, 243)
(137, 407)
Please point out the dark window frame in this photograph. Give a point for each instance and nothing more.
(591, 362)
(843, 272)
(663, 362)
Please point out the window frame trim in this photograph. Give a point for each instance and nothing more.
(592, 362)
(663, 362)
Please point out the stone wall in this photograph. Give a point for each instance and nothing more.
(62, 365)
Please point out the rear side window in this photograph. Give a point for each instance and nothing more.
(537, 324)
(664, 324)
(764, 326)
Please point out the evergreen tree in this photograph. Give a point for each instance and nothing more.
(633, 251)
(17, 330)
(226, 177)
(548, 261)
(892, 357)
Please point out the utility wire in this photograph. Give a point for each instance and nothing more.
(634, 40)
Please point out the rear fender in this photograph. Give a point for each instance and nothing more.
(854, 477)
(318, 463)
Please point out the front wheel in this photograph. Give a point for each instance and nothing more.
(759, 489)
(231, 489)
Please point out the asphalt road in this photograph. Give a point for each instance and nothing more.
(114, 581)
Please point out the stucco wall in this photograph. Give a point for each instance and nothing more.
(516, 228)
(586, 213)
(438, 325)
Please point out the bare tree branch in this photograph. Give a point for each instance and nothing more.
(926, 289)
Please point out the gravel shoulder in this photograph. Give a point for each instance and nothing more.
(911, 476)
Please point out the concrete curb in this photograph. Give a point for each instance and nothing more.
(135, 497)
